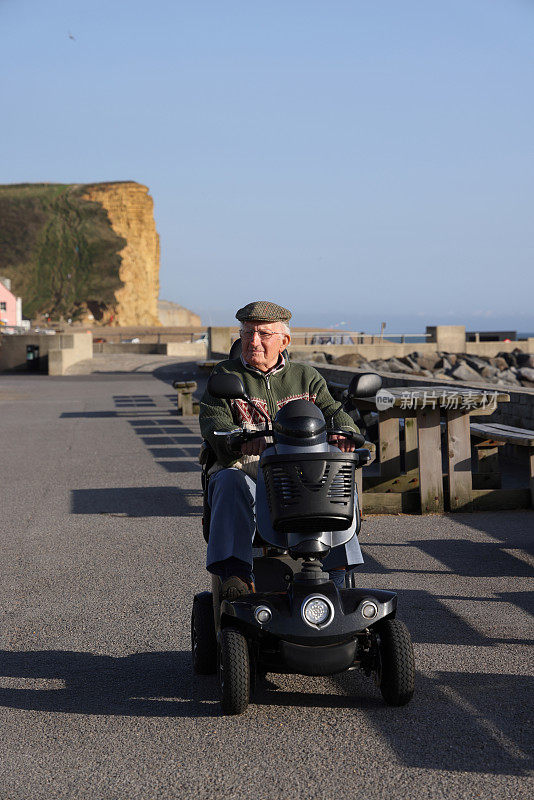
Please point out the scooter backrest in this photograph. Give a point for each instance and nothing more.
(236, 349)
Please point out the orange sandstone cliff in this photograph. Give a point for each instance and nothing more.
(130, 209)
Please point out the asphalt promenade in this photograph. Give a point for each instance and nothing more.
(101, 554)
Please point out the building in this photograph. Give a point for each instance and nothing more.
(10, 306)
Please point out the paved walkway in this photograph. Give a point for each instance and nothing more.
(101, 555)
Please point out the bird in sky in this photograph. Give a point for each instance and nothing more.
(71, 36)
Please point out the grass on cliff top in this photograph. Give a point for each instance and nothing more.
(58, 249)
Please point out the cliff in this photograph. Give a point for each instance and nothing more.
(81, 251)
(174, 315)
(131, 213)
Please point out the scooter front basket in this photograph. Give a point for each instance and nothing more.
(312, 492)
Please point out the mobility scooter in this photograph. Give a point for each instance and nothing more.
(297, 620)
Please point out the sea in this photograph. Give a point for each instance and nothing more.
(420, 339)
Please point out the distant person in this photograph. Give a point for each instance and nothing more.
(271, 381)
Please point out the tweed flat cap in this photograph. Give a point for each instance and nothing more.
(263, 311)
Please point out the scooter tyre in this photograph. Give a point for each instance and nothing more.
(234, 671)
(396, 668)
(203, 637)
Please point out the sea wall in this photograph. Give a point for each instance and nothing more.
(194, 350)
(448, 338)
(52, 354)
(68, 349)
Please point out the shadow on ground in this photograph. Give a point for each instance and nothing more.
(504, 526)
(454, 723)
(138, 501)
(459, 557)
(144, 684)
(174, 443)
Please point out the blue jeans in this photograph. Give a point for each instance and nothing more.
(232, 499)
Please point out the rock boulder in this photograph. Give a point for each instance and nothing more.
(463, 372)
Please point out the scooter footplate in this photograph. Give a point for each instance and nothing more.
(325, 660)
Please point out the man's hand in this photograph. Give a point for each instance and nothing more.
(254, 447)
(344, 444)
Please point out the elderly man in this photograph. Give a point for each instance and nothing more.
(271, 381)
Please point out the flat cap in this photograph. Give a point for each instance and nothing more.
(263, 311)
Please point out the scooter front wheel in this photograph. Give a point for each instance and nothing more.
(234, 671)
(395, 671)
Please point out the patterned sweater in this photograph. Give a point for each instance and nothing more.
(285, 382)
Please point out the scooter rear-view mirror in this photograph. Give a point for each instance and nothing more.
(365, 385)
(226, 387)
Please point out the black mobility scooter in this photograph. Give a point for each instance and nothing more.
(297, 621)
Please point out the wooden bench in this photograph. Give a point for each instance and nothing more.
(492, 436)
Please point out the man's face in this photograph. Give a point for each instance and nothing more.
(262, 343)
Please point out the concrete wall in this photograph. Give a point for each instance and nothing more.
(368, 351)
(147, 335)
(115, 348)
(13, 351)
(492, 348)
(219, 341)
(56, 353)
(390, 349)
(450, 338)
(67, 349)
(196, 350)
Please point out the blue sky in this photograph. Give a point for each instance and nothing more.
(356, 161)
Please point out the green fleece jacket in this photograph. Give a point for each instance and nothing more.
(287, 381)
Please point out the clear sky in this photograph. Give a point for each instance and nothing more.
(358, 161)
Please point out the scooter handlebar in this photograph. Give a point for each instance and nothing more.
(357, 438)
(237, 437)
(364, 456)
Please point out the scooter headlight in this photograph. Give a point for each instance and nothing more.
(317, 611)
(263, 614)
(369, 610)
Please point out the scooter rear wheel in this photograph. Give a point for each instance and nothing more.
(234, 671)
(203, 637)
(396, 665)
